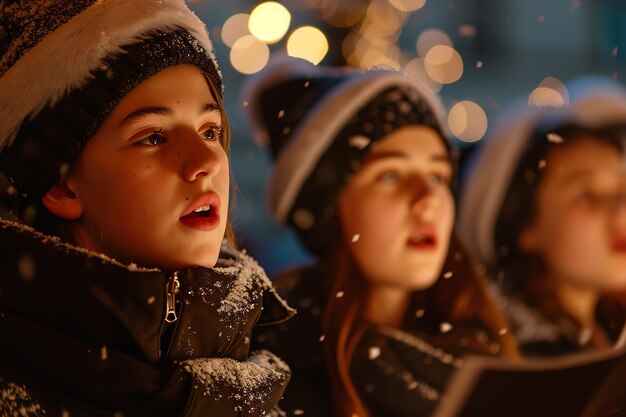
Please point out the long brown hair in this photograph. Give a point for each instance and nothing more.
(463, 298)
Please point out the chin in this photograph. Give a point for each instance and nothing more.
(423, 281)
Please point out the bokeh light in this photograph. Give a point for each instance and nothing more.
(342, 15)
(408, 5)
(443, 64)
(551, 92)
(467, 121)
(234, 28)
(309, 43)
(430, 38)
(269, 21)
(415, 68)
(249, 55)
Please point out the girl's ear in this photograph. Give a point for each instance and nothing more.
(528, 239)
(61, 201)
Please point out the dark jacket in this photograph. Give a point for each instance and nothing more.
(396, 372)
(300, 343)
(83, 335)
(543, 333)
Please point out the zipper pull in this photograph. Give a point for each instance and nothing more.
(170, 302)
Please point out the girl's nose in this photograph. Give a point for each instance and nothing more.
(200, 158)
(423, 201)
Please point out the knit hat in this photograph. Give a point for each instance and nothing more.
(319, 123)
(66, 64)
(489, 189)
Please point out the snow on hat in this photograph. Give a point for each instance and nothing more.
(595, 102)
(65, 65)
(319, 123)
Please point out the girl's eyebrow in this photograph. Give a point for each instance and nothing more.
(143, 111)
(164, 111)
(376, 156)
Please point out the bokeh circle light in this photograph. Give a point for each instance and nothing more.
(269, 21)
(234, 28)
(249, 55)
(443, 64)
(467, 121)
(408, 5)
(309, 43)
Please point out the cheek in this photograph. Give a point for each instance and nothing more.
(124, 192)
(575, 240)
(369, 221)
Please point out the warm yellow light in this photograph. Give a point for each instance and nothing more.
(415, 68)
(383, 19)
(545, 97)
(342, 15)
(550, 93)
(309, 43)
(249, 55)
(234, 28)
(443, 64)
(408, 5)
(467, 30)
(374, 57)
(430, 38)
(269, 21)
(467, 121)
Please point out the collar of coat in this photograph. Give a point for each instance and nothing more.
(110, 303)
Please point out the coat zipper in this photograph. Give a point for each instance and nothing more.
(170, 303)
(171, 294)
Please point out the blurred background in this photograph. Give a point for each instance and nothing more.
(479, 55)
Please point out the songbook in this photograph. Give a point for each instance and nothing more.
(585, 384)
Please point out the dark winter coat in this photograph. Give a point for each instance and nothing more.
(397, 372)
(300, 342)
(542, 333)
(83, 335)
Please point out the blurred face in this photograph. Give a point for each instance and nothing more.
(397, 211)
(580, 224)
(153, 182)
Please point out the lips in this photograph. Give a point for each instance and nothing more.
(423, 238)
(203, 213)
(619, 245)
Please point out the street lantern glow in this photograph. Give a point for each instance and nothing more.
(550, 93)
(309, 43)
(431, 38)
(443, 64)
(249, 55)
(408, 5)
(467, 121)
(234, 28)
(269, 21)
(415, 68)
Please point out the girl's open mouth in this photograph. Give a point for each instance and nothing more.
(424, 238)
(203, 213)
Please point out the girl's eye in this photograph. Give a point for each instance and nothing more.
(213, 133)
(584, 195)
(388, 176)
(153, 139)
(434, 180)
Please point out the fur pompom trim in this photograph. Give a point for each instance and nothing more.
(64, 59)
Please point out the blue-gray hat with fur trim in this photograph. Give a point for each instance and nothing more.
(65, 65)
(319, 123)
